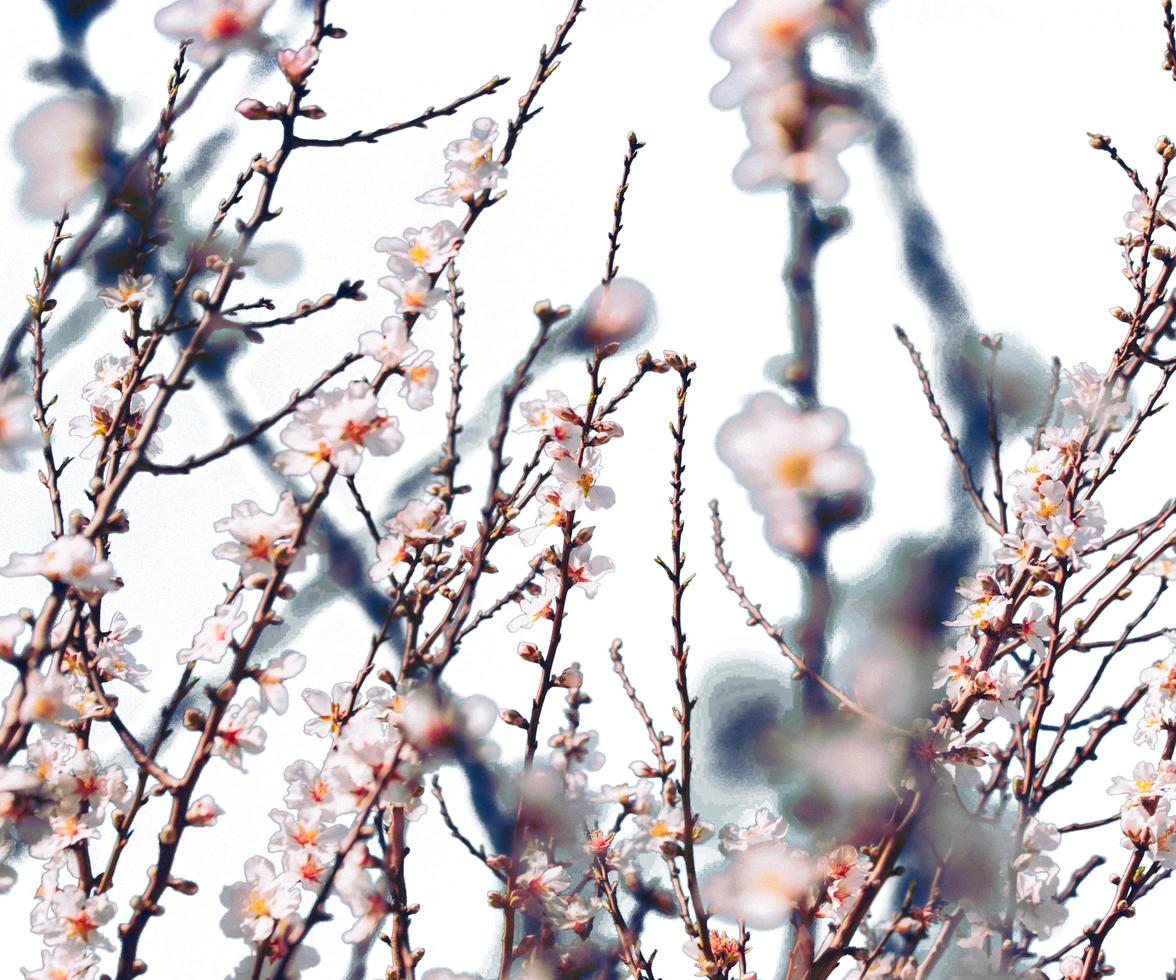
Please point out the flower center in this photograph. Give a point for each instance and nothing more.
(225, 23)
(794, 470)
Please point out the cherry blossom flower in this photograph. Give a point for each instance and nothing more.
(100, 423)
(573, 913)
(420, 522)
(390, 552)
(305, 843)
(428, 249)
(725, 953)
(17, 430)
(1146, 783)
(390, 345)
(552, 513)
(217, 26)
(238, 734)
(1001, 691)
(957, 667)
(311, 792)
(330, 710)
(261, 538)
(470, 168)
(584, 570)
(414, 294)
(788, 459)
(216, 634)
(270, 680)
(203, 812)
(420, 378)
(272, 950)
(1139, 218)
(10, 628)
(256, 904)
(668, 824)
(72, 560)
(366, 899)
(1089, 395)
(297, 65)
(1163, 567)
(48, 698)
(62, 145)
(64, 963)
(334, 430)
(111, 378)
(578, 486)
(766, 828)
(540, 881)
(129, 294)
(75, 918)
(845, 872)
(1034, 629)
(987, 602)
(534, 608)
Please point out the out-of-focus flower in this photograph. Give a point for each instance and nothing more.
(617, 311)
(216, 26)
(17, 432)
(62, 145)
(789, 459)
(777, 157)
(763, 885)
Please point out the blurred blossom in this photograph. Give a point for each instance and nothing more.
(63, 146)
(790, 459)
(780, 155)
(762, 885)
(796, 128)
(277, 263)
(216, 26)
(17, 434)
(617, 310)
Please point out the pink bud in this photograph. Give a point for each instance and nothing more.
(297, 65)
(253, 109)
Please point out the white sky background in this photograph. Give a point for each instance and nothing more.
(996, 97)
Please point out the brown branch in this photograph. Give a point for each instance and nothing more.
(952, 443)
(417, 122)
(755, 617)
(614, 236)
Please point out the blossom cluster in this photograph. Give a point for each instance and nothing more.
(796, 128)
